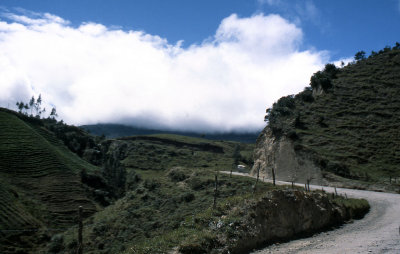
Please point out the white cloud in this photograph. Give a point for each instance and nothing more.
(95, 74)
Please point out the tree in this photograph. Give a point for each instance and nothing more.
(53, 113)
(26, 107)
(38, 105)
(20, 106)
(31, 103)
(360, 55)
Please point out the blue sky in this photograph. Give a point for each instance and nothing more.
(179, 64)
(343, 26)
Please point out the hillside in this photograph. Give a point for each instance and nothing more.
(40, 184)
(45, 173)
(119, 130)
(347, 123)
(148, 194)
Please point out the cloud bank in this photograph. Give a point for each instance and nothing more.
(93, 73)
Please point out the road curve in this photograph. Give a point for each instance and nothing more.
(377, 232)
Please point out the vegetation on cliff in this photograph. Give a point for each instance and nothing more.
(348, 118)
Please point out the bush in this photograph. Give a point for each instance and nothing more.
(283, 107)
(177, 174)
(187, 197)
(323, 79)
(306, 95)
(151, 184)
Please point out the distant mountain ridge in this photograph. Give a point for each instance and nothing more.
(120, 130)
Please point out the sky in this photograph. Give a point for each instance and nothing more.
(206, 66)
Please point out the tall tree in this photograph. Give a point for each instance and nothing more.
(32, 103)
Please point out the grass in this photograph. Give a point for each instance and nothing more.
(40, 185)
(167, 208)
(161, 152)
(353, 130)
(356, 208)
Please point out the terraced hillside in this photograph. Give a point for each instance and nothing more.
(40, 184)
(348, 121)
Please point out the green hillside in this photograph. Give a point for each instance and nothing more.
(44, 180)
(349, 119)
(147, 194)
(40, 183)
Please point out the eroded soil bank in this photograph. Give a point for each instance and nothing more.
(276, 216)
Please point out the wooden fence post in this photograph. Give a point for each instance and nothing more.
(273, 176)
(80, 225)
(215, 191)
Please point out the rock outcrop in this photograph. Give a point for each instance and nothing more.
(289, 162)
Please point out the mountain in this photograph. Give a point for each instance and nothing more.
(346, 123)
(119, 130)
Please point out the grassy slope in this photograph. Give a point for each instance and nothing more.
(170, 179)
(40, 182)
(165, 151)
(356, 125)
(164, 209)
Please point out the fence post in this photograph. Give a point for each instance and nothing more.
(80, 244)
(273, 176)
(215, 191)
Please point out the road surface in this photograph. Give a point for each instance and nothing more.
(377, 232)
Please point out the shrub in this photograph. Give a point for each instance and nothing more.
(323, 79)
(283, 107)
(177, 174)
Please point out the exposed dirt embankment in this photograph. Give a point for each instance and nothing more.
(289, 162)
(279, 215)
(377, 232)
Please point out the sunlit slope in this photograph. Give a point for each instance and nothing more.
(40, 183)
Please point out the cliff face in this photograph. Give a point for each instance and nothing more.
(280, 154)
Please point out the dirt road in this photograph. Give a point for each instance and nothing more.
(377, 232)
